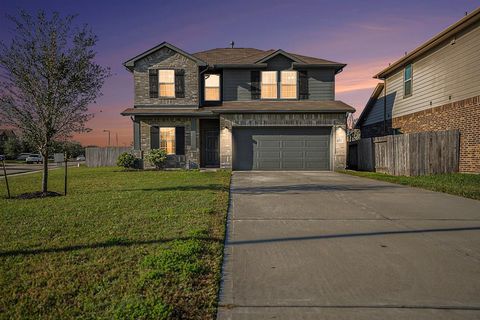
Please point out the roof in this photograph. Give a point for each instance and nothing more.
(252, 56)
(432, 43)
(129, 64)
(282, 106)
(246, 107)
(371, 102)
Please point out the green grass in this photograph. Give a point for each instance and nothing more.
(460, 184)
(121, 245)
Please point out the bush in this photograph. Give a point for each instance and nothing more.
(126, 160)
(157, 157)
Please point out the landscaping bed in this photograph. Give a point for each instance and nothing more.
(121, 245)
(460, 184)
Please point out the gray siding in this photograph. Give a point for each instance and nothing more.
(448, 74)
(236, 85)
(279, 62)
(321, 84)
(376, 112)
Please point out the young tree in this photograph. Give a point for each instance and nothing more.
(50, 77)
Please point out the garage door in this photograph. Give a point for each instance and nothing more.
(281, 148)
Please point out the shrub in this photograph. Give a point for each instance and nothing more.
(126, 160)
(157, 158)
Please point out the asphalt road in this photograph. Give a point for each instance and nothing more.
(322, 245)
(22, 168)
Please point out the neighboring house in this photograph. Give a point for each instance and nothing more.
(433, 88)
(239, 108)
(5, 134)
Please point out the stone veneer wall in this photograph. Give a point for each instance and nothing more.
(192, 150)
(463, 115)
(168, 59)
(337, 120)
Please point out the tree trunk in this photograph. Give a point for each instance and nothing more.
(45, 173)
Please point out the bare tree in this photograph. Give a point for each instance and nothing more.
(49, 77)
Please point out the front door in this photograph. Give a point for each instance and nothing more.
(210, 133)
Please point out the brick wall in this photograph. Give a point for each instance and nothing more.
(169, 59)
(192, 151)
(463, 115)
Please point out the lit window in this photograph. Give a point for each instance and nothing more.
(166, 81)
(288, 89)
(212, 87)
(407, 81)
(167, 140)
(269, 85)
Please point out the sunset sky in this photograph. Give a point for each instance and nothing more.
(366, 35)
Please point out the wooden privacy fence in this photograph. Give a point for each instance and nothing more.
(103, 157)
(410, 154)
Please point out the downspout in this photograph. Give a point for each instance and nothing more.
(384, 106)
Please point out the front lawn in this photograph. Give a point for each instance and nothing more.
(121, 245)
(460, 184)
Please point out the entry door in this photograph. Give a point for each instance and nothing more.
(211, 151)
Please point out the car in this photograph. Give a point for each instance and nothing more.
(81, 158)
(23, 156)
(2, 157)
(34, 158)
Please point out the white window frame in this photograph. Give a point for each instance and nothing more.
(276, 85)
(205, 87)
(296, 85)
(160, 83)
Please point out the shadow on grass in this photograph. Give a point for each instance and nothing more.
(102, 245)
(351, 235)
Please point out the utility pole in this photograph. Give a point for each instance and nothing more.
(108, 136)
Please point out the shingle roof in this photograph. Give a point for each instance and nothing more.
(250, 56)
(247, 107)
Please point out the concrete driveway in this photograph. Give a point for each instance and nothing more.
(322, 245)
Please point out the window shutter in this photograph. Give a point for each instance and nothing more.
(303, 84)
(154, 138)
(180, 140)
(255, 85)
(153, 82)
(180, 83)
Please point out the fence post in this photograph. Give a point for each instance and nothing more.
(6, 179)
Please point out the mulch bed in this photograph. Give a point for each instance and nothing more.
(38, 194)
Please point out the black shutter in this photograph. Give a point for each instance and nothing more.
(303, 85)
(255, 85)
(180, 83)
(154, 138)
(180, 140)
(153, 82)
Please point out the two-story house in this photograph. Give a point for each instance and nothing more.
(239, 108)
(435, 87)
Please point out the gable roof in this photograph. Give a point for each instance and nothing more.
(129, 64)
(371, 102)
(252, 56)
(460, 25)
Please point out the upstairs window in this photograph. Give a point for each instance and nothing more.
(166, 82)
(212, 87)
(288, 88)
(407, 81)
(269, 85)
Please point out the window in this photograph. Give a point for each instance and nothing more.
(166, 81)
(407, 81)
(269, 85)
(212, 87)
(288, 81)
(167, 140)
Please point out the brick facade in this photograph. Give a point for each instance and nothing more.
(463, 115)
(191, 159)
(168, 59)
